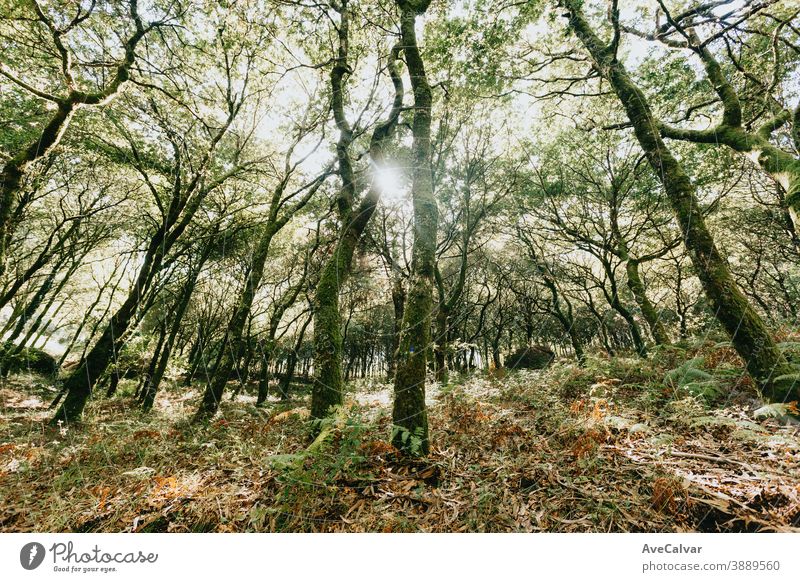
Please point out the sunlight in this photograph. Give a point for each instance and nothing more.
(391, 183)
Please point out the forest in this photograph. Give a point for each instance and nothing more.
(399, 265)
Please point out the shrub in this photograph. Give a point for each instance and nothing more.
(14, 360)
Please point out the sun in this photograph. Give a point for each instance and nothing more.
(391, 183)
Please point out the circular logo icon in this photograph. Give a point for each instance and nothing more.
(31, 555)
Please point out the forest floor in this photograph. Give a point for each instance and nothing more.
(619, 445)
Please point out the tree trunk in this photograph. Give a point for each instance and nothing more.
(285, 384)
(14, 171)
(398, 303)
(80, 383)
(633, 327)
(617, 305)
(147, 382)
(649, 312)
(441, 345)
(232, 345)
(263, 380)
(409, 414)
(148, 398)
(748, 333)
(328, 341)
(328, 378)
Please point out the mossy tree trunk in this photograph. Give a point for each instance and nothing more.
(649, 312)
(748, 333)
(329, 380)
(409, 414)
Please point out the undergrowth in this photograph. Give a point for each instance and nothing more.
(677, 442)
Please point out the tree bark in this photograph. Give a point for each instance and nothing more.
(649, 312)
(748, 333)
(778, 163)
(409, 414)
(328, 384)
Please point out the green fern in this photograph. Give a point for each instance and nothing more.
(697, 382)
(412, 442)
(790, 349)
(787, 383)
(705, 390)
(687, 372)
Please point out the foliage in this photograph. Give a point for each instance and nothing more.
(15, 360)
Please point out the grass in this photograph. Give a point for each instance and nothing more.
(610, 447)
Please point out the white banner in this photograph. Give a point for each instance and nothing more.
(401, 557)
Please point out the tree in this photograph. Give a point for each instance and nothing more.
(354, 216)
(751, 115)
(194, 173)
(82, 86)
(750, 336)
(561, 305)
(409, 414)
(285, 203)
(472, 183)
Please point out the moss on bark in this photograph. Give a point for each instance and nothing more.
(328, 379)
(747, 330)
(409, 414)
(328, 384)
(635, 284)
